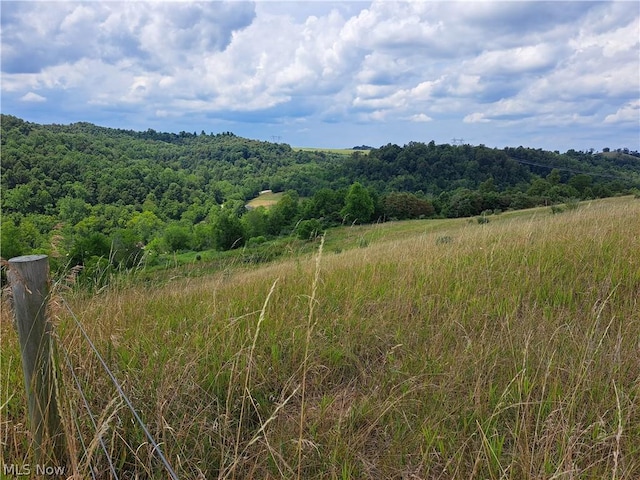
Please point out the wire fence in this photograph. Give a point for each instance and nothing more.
(155, 447)
(105, 414)
(88, 462)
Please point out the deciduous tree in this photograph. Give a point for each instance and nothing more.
(359, 206)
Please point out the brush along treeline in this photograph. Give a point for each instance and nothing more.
(508, 351)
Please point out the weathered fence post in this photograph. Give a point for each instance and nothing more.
(29, 279)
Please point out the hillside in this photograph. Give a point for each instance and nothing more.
(112, 198)
(433, 349)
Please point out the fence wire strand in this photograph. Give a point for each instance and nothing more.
(156, 447)
(91, 417)
(84, 447)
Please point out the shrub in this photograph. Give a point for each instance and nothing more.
(254, 241)
(403, 205)
(572, 203)
(555, 209)
(309, 229)
(228, 232)
(177, 237)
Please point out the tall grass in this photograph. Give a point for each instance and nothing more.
(509, 351)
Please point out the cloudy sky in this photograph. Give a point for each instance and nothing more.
(554, 75)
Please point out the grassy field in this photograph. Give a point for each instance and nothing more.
(265, 200)
(342, 151)
(424, 349)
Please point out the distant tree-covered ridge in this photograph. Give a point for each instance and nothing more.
(93, 193)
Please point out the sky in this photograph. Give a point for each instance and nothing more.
(552, 75)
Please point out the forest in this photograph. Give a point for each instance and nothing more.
(89, 195)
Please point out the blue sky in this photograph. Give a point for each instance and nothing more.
(552, 75)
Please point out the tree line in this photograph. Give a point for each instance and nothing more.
(96, 193)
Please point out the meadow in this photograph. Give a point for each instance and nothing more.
(266, 200)
(341, 151)
(430, 349)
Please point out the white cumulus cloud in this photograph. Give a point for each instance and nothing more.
(32, 97)
(629, 113)
(420, 117)
(475, 117)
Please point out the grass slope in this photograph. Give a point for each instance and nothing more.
(267, 200)
(341, 151)
(501, 350)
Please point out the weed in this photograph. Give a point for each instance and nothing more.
(555, 209)
(572, 204)
(363, 242)
(443, 239)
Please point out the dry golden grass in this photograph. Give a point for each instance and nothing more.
(266, 200)
(508, 351)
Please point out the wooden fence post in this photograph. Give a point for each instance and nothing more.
(29, 279)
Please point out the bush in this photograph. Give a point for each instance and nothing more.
(254, 241)
(97, 272)
(228, 232)
(404, 205)
(11, 244)
(309, 229)
(93, 245)
(555, 209)
(177, 237)
(572, 203)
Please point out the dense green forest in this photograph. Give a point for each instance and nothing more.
(91, 195)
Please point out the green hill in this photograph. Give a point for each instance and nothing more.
(110, 199)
